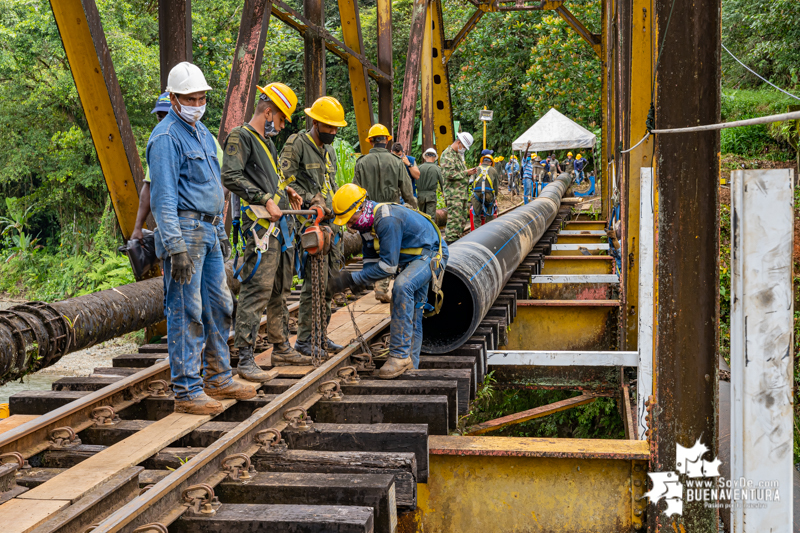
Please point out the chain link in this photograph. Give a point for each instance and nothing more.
(317, 333)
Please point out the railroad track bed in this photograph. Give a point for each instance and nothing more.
(332, 448)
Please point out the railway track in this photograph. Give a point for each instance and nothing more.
(339, 449)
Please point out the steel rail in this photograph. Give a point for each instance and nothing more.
(162, 502)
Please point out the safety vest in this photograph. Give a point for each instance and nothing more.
(483, 178)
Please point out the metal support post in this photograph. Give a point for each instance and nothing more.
(426, 82)
(762, 361)
(606, 154)
(442, 107)
(687, 276)
(314, 58)
(408, 104)
(385, 99)
(174, 34)
(98, 88)
(646, 280)
(359, 82)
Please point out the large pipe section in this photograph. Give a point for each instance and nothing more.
(481, 263)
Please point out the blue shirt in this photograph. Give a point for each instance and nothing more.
(527, 170)
(413, 181)
(395, 227)
(579, 163)
(511, 167)
(185, 175)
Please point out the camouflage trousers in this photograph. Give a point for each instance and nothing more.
(457, 218)
(268, 289)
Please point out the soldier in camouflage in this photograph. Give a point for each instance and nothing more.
(310, 159)
(430, 177)
(457, 189)
(249, 170)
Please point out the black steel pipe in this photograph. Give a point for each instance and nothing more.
(481, 263)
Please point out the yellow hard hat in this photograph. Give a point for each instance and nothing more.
(327, 110)
(513, 157)
(534, 155)
(569, 153)
(378, 130)
(579, 156)
(282, 96)
(498, 158)
(346, 202)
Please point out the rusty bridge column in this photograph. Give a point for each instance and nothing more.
(408, 104)
(687, 276)
(174, 34)
(314, 58)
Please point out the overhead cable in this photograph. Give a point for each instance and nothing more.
(758, 75)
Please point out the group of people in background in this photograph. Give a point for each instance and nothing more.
(535, 172)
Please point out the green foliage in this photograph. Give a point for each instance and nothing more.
(346, 156)
(725, 280)
(765, 142)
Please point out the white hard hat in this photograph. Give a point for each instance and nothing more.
(186, 78)
(431, 151)
(466, 139)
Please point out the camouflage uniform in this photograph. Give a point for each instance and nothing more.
(314, 170)
(429, 178)
(457, 193)
(384, 176)
(483, 190)
(248, 172)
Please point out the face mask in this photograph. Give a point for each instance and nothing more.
(269, 129)
(462, 150)
(326, 138)
(366, 218)
(192, 113)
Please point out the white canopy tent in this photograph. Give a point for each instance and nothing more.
(554, 131)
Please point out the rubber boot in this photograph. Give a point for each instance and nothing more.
(394, 367)
(202, 405)
(331, 346)
(232, 391)
(305, 352)
(247, 367)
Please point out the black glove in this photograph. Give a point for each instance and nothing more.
(342, 282)
(225, 246)
(182, 268)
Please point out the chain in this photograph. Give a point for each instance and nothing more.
(364, 360)
(317, 334)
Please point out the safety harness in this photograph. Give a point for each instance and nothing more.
(279, 230)
(435, 264)
(480, 190)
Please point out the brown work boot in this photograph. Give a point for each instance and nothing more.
(232, 391)
(284, 355)
(394, 367)
(202, 405)
(248, 369)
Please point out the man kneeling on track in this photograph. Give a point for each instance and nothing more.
(395, 239)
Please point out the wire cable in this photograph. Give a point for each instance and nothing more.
(794, 115)
(757, 74)
(646, 135)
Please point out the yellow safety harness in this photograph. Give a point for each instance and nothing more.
(436, 260)
(483, 178)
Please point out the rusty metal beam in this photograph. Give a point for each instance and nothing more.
(408, 103)
(385, 99)
(314, 54)
(687, 272)
(452, 44)
(530, 414)
(85, 44)
(359, 82)
(174, 35)
(593, 39)
(292, 18)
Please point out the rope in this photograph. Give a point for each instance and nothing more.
(646, 135)
(795, 115)
(757, 74)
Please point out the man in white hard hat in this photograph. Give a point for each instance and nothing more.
(457, 191)
(187, 202)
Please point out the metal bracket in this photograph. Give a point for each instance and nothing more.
(155, 527)
(203, 504)
(64, 437)
(348, 375)
(17, 457)
(158, 388)
(638, 488)
(238, 467)
(331, 391)
(104, 416)
(271, 442)
(298, 421)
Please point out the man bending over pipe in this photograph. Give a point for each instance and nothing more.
(398, 240)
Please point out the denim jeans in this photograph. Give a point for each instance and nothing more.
(198, 315)
(528, 190)
(409, 295)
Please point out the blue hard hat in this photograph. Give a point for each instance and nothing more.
(487, 152)
(162, 104)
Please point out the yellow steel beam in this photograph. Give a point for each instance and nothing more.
(595, 264)
(581, 239)
(585, 224)
(442, 106)
(479, 484)
(359, 83)
(606, 176)
(572, 291)
(462, 34)
(593, 39)
(90, 63)
(426, 80)
(640, 98)
(564, 325)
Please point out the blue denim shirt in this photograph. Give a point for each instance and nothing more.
(396, 228)
(185, 175)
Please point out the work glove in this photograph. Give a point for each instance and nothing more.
(343, 282)
(182, 268)
(319, 200)
(225, 246)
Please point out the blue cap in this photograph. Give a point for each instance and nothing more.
(487, 152)
(162, 104)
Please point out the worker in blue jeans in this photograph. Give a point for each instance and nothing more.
(527, 179)
(187, 202)
(396, 239)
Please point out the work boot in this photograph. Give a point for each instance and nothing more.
(383, 297)
(331, 346)
(306, 352)
(202, 405)
(232, 391)
(284, 355)
(247, 367)
(394, 367)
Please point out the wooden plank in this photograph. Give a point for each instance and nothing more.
(530, 414)
(15, 420)
(40, 402)
(621, 449)
(389, 409)
(21, 516)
